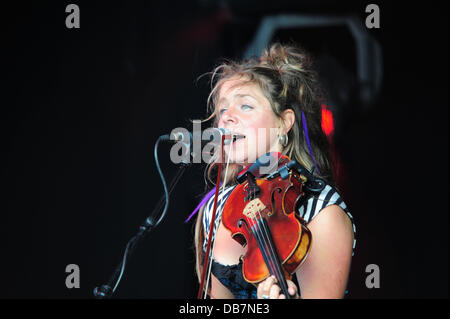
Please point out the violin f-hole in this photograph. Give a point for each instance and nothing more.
(239, 237)
(274, 206)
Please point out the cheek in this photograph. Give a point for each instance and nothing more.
(219, 119)
(263, 135)
(260, 139)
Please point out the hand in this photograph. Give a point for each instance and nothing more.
(270, 290)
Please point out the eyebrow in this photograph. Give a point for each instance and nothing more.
(237, 96)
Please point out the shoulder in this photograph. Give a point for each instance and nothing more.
(312, 206)
(333, 236)
(209, 205)
(223, 195)
(332, 222)
(327, 211)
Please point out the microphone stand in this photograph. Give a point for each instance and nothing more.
(106, 291)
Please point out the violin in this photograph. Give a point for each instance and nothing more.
(261, 214)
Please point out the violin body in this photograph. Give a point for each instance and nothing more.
(270, 215)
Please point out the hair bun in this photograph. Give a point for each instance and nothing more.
(286, 59)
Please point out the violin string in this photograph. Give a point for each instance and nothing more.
(266, 236)
(271, 257)
(261, 245)
(216, 226)
(260, 231)
(279, 272)
(265, 247)
(275, 260)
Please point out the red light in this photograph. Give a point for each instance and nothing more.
(327, 121)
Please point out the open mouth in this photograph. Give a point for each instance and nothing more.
(237, 136)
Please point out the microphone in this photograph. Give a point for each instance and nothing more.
(211, 135)
(194, 144)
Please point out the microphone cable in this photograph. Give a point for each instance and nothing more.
(105, 290)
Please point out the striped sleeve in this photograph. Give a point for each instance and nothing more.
(207, 214)
(314, 205)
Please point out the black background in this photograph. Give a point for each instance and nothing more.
(82, 108)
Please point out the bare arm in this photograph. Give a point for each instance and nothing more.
(325, 271)
(219, 291)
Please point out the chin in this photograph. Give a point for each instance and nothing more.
(240, 161)
(236, 159)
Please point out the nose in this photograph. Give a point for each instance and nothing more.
(229, 116)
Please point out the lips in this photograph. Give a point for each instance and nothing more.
(238, 134)
(238, 137)
(235, 135)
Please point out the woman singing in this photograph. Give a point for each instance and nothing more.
(274, 102)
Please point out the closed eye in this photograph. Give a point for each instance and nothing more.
(246, 107)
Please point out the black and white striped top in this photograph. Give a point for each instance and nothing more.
(307, 210)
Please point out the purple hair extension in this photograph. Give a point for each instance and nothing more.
(204, 200)
(305, 129)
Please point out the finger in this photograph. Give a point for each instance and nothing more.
(264, 287)
(268, 283)
(259, 290)
(292, 288)
(293, 291)
(274, 291)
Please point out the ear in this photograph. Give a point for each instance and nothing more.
(288, 120)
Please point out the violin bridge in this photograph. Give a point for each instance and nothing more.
(253, 207)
